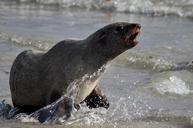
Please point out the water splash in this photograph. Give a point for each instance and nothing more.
(6, 110)
(75, 89)
(131, 108)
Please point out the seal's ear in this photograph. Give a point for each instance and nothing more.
(101, 38)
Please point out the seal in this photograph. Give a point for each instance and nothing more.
(39, 79)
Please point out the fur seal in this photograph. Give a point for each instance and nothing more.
(39, 79)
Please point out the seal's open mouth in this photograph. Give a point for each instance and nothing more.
(131, 38)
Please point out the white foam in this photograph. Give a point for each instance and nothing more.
(173, 85)
(27, 119)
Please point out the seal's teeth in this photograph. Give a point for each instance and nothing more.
(138, 30)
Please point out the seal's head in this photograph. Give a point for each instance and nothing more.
(122, 34)
(116, 38)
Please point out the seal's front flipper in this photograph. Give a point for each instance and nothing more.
(51, 113)
(97, 99)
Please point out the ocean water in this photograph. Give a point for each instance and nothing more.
(148, 86)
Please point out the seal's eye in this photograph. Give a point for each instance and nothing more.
(118, 29)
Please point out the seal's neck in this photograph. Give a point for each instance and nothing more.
(93, 57)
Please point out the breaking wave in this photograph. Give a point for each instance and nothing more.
(182, 8)
(132, 59)
(19, 40)
(144, 61)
